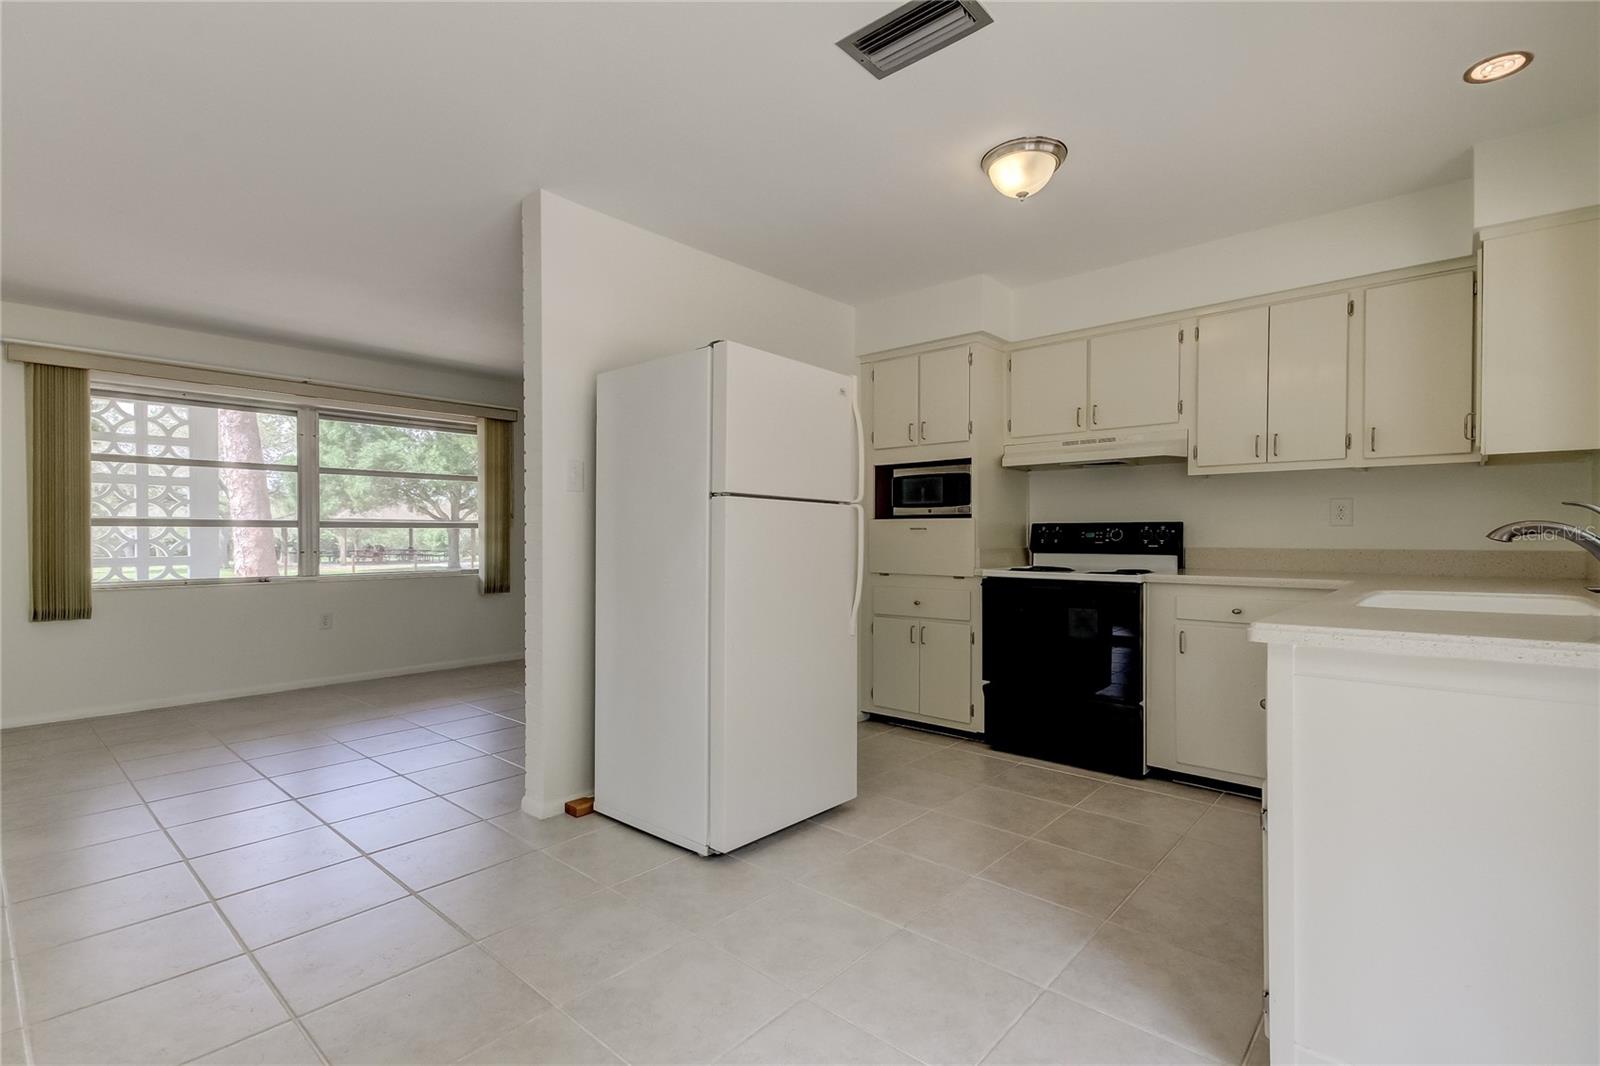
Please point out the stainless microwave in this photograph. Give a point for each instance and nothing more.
(917, 491)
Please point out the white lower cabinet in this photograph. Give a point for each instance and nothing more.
(1205, 682)
(923, 646)
(1222, 686)
(945, 676)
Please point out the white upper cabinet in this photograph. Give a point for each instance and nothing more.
(921, 399)
(1048, 389)
(1309, 342)
(1134, 378)
(1231, 388)
(1541, 340)
(1418, 386)
(894, 403)
(942, 392)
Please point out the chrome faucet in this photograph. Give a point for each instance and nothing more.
(1585, 538)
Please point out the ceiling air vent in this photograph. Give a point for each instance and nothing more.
(911, 32)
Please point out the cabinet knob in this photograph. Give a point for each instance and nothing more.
(1238, 610)
(916, 603)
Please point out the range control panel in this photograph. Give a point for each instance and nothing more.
(1108, 538)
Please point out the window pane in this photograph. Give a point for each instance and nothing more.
(163, 429)
(404, 449)
(176, 553)
(398, 499)
(377, 551)
(150, 490)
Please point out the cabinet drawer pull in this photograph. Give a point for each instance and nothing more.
(911, 436)
(922, 635)
(1077, 419)
(923, 431)
(1274, 444)
(1372, 440)
(1182, 643)
(1467, 427)
(1258, 445)
(912, 634)
(1094, 413)
(1263, 703)
(1238, 610)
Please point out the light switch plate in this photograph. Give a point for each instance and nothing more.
(1342, 511)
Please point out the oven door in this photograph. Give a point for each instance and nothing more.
(932, 490)
(1063, 668)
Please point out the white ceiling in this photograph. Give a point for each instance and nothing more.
(350, 174)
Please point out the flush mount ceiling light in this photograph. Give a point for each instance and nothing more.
(1020, 168)
(1496, 67)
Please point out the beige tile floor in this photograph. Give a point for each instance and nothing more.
(343, 875)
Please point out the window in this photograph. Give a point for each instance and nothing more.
(396, 496)
(185, 489)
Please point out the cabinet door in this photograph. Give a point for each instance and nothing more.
(1133, 378)
(1231, 388)
(894, 403)
(895, 653)
(1541, 340)
(946, 682)
(942, 391)
(1221, 681)
(1048, 389)
(1310, 355)
(1418, 390)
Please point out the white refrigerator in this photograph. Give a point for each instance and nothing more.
(728, 567)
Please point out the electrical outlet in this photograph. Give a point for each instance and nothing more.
(1342, 512)
(326, 621)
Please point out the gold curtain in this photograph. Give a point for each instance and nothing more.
(495, 439)
(60, 571)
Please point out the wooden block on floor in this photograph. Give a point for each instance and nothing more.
(579, 807)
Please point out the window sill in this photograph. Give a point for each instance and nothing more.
(249, 582)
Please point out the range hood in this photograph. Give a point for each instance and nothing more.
(1128, 448)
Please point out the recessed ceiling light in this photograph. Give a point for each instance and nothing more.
(1496, 67)
(1020, 168)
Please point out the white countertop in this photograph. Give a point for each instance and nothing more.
(1337, 620)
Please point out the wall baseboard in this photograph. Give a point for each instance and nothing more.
(551, 808)
(8, 721)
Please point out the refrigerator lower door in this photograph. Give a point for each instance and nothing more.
(781, 427)
(783, 665)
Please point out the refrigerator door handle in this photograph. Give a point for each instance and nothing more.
(861, 562)
(861, 449)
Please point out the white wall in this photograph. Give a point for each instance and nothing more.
(1422, 227)
(976, 304)
(598, 294)
(1447, 507)
(1537, 172)
(162, 646)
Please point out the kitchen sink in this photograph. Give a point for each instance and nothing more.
(1484, 602)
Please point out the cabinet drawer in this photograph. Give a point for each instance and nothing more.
(1215, 607)
(935, 546)
(954, 604)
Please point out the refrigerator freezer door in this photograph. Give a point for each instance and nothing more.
(783, 665)
(781, 428)
(652, 587)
